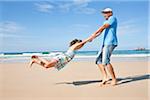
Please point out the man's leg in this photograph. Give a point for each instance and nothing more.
(104, 74)
(112, 73)
(109, 50)
(102, 67)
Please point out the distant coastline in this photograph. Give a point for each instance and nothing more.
(140, 49)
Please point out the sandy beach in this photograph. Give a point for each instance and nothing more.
(77, 81)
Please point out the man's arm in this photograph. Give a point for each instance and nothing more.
(100, 30)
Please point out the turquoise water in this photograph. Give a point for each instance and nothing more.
(116, 52)
(85, 53)
(118, 55)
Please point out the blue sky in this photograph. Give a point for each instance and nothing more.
(51, 25)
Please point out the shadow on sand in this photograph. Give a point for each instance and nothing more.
(120, 80)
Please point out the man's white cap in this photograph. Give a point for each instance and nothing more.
(106, 10)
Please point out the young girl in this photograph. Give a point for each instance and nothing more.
(60, 59)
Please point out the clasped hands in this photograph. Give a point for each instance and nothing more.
(91, 38)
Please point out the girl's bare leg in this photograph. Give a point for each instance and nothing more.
(34, 60)
(50, 63)
(47, 64)
(42, 62)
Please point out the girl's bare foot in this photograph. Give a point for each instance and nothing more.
(31, 63)
(33, 60)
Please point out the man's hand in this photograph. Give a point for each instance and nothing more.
(90, 40)
(98, 32)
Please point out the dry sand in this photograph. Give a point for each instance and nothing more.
(77, 81)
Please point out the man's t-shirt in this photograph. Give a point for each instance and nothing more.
(110, 37)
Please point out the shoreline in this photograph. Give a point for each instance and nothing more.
(114, 58)
(79, 55)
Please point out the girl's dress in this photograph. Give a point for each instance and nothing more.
(62, 58)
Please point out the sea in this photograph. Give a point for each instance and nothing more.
(117, 56)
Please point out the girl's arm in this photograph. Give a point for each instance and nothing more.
(85, 41)
(79, 45)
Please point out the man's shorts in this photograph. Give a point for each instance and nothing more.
(103, 56)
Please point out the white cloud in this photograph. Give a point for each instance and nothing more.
(44, 7)
(9, 35)
(83, 9)
(132, 33)
(10, 27)
(80, 2)
(131, 27)
(66, 7)
(78, 6)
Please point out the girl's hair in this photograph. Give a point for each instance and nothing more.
(74, 41)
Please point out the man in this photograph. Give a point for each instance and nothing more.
(109, 43)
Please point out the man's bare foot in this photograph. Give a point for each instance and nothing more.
(114, 82)
(104, 81)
